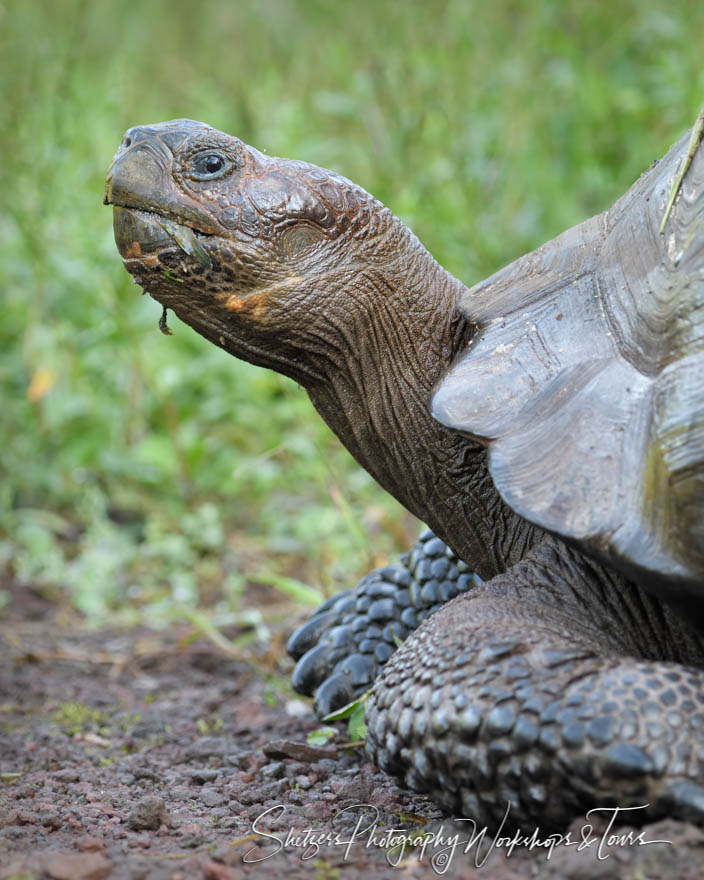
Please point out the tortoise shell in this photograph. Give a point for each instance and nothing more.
(586, 380)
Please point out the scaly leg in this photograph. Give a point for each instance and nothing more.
(544, 690)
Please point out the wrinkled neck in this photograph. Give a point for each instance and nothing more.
(387, 337)
(394, 314)
(400, 332)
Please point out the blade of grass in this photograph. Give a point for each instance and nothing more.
(291, 587)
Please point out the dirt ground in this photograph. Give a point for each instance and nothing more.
(137, 755)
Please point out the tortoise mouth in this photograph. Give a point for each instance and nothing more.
(141, 233)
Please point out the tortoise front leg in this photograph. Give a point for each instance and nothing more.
(538, 691)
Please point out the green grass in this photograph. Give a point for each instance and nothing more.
(141, 471)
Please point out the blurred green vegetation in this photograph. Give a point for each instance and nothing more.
(142, 472)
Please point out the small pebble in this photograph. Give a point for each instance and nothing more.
(147, 814)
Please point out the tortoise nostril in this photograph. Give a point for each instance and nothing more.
(126, 141)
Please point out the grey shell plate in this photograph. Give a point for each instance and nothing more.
(587, 381)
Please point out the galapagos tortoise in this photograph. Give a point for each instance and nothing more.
(547, 424)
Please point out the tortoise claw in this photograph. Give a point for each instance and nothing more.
(310, 670)
(308, 635)
(685, 800)
(334, 693)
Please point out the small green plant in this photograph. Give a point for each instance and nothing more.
(10, 776)
(270, 694)
(354, 713)
(325, 871)
(129, 720)
(321, 736)
(75, 718)
(209, 726)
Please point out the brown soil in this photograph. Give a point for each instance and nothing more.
(137, 754)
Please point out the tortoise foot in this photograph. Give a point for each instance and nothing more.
(342, 648)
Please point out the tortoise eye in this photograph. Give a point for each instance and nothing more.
(208, 165)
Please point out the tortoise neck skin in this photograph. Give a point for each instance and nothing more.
(295, 268)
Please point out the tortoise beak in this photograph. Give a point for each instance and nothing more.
(140, 177)
(138, 234)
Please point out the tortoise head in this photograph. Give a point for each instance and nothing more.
(248, 249)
